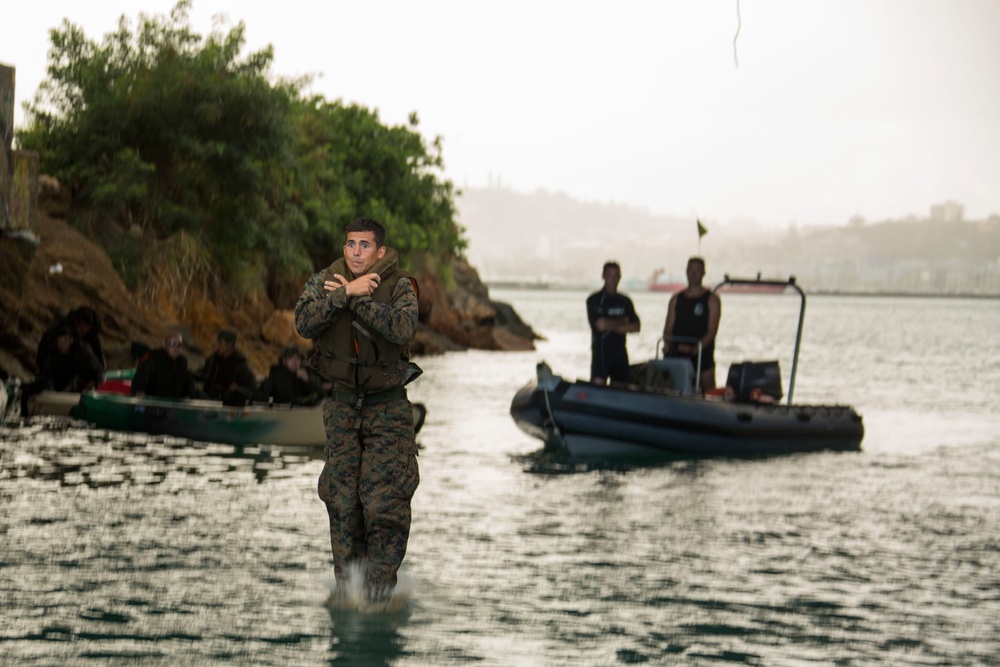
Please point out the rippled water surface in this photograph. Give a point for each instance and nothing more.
(126, 549)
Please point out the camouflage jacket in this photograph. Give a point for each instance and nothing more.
(362, 341)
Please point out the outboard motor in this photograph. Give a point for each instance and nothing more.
(753, 377)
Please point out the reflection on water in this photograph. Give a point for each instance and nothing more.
(71, 454)
(366, 639)
(555, 462)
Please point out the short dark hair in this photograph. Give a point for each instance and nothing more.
(700, 260)
(367, 225)
(227, 335)
(610, 265)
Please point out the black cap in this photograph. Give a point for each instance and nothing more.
(291, 351)
(227, 335)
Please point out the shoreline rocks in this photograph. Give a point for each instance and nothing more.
(68, 270)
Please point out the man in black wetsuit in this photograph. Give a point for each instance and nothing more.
(611, 316)
(694, 313)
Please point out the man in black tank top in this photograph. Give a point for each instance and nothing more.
(694, 313)
(611, 316)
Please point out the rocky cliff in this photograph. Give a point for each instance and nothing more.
(67, 270)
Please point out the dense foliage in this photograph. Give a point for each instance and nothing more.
(180, 151)
(349, 161)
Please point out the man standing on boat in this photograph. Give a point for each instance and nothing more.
(611, 316)
(362, 314)
(693, 313)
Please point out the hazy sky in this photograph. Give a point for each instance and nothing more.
(875, 107)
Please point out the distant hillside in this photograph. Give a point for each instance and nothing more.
(551, 237)
(910, 257)
(546, 237)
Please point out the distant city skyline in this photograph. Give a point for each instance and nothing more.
(813, 113)
(550, 238)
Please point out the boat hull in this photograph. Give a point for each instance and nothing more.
(54, 403)
(589, 420)
(210, 421)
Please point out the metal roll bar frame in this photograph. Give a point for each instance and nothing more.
(802, 313)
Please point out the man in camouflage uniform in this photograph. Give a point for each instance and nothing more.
(362, 313)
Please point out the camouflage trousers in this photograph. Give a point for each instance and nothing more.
(367, 483)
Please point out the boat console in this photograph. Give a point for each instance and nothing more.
(680, 370)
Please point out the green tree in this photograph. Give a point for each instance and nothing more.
(350, 163)
(157, 131)
(174, 145)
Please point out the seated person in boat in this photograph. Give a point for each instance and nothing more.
(86, 328)
(226, 374)
(694, 313)
(611, 315)
(68, 366)
(290, 382)
(164, 373)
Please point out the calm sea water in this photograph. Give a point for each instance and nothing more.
(131, 550)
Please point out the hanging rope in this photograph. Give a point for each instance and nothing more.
(739, 24)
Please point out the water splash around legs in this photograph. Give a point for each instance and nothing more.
(349, 593)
